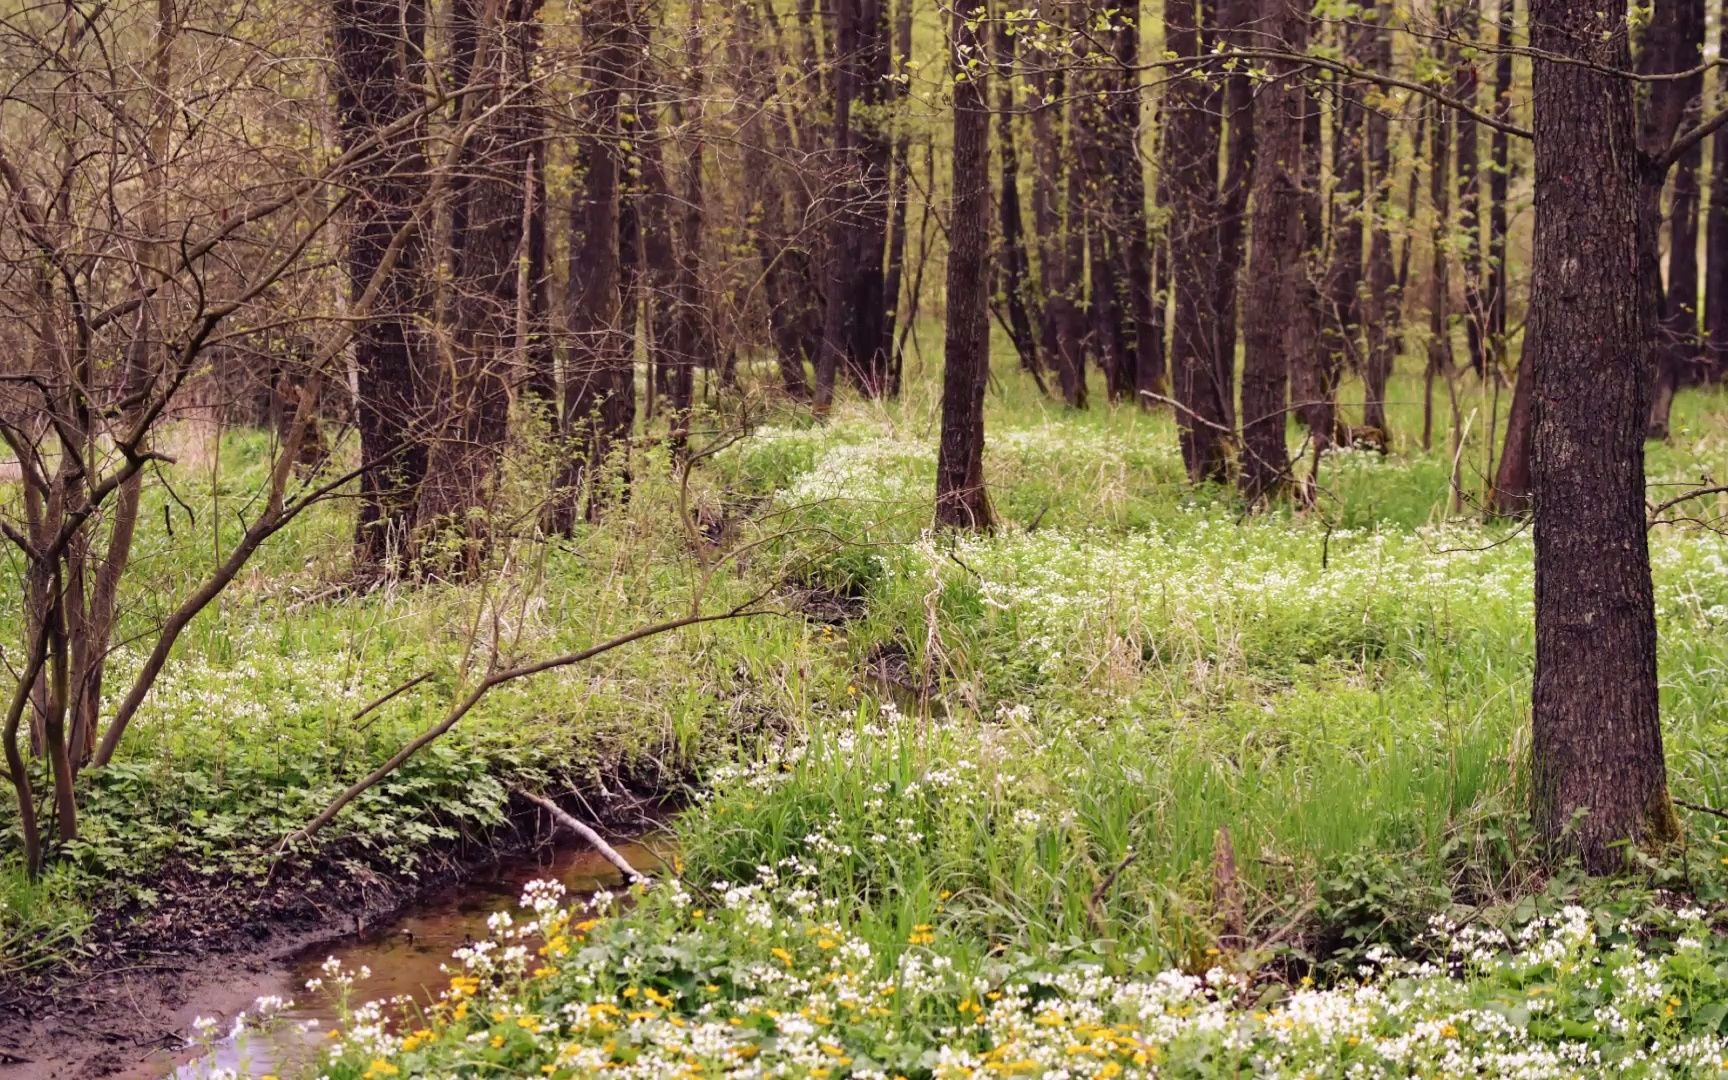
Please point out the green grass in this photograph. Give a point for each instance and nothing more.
(1033, 739)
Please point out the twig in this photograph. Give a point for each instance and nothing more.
(1097, 896)
(1701, 808)
(384, 699)
(606, 850)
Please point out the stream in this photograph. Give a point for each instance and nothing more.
(404, 956)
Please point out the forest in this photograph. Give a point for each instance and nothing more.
(889, 538)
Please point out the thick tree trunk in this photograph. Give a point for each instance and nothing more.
(854, 327)
(375, 41)
(599, 385)
(1276, 281)
(488, 243)
(1204, 389)
(1512, 476)
(961, 500)
(1598, 773)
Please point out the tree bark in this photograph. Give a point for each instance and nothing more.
(1716, 248)
(1189, 156)
(1276, 280)
(600, 388)
(488, 240)
(1673, 43)
(376, 41)
(1383, 290)
(1013, 268)
(961, 500)
(1598, 773)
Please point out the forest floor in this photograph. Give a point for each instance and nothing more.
(1108, 786)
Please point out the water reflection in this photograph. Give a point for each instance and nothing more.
(403, 956)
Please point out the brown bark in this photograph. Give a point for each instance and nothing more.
(961, 500)
(1276, 281)
(1013, 268)
(1673, 43)
(1499, 180)
(1716, 248)
(1341, 329)
(1383, 284)
(488, 241)
(599, 391)
(854, 325)
(1204, 389)
(1598, 773)
(375, 42)
(1440, 359)
(1126, 182)
(791, 291)
(1468, 194)
(899, 196)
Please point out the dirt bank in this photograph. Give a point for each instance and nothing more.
(211, 947)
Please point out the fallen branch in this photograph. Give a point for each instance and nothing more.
(492, 681)
(606, 850)
(1701, 808)
(1103, 888)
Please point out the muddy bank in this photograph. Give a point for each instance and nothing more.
(211, 947)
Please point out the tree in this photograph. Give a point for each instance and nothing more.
(486, 359)
(1276, 277)
(600, 387)
(961, 500)
(1204, 387)
(376, 46)
(1598, 773)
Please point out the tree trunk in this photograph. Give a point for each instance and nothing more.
(375, 42)
(1341, 329)
(1189, 157)
(1716, 248)
(1276, 282)
(599, 385)
(1440, 361)
(1013, 268)
(1383, 291)
(1598, 773)
(1126, 182)
(961, 500)
(1499, 180)
(488, 241)
(1236, 28)
(1467, 154)
(1673, 43)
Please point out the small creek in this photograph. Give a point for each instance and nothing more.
(404, 954)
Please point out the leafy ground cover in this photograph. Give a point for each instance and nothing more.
(1100, 791)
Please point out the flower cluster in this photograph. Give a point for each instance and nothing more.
(767, 983)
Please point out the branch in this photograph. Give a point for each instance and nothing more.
(1696, 493)
(607, 851)
(1686, 140)
(487, 685)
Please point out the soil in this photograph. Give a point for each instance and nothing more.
(211, 947)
